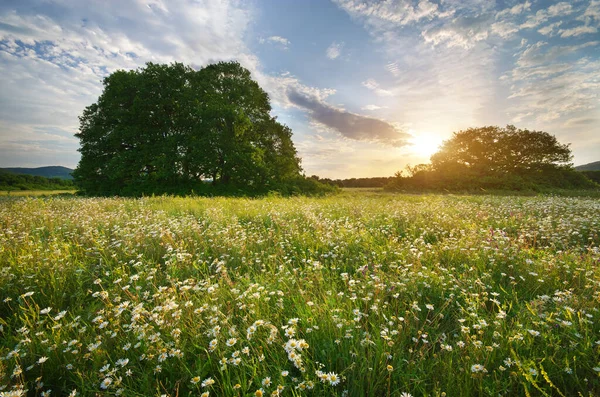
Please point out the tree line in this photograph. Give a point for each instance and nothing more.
(10, 182)
(372, 182)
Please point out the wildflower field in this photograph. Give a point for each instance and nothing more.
(359, 294)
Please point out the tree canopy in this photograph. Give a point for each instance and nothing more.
(168, 128)
(496, 158)
(495, 149)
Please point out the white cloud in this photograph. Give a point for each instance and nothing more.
(550, 29)
(541, 53)
(463, 31)
(393, 68)
(375, 87)
(546, 87)
(373, 107)
(334, 50)
(578, 31)
(277, 40)
(593, 10)
(562, 9)
(395, 12)
(504, 29)
(515, 10)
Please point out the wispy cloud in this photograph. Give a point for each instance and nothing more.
(277, 40)
(374, 107)
(394, 12)
(578, 31)
(375, 87)
(558, 10)
(334, 50)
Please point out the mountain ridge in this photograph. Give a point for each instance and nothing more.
(54, 171)
(595, 166)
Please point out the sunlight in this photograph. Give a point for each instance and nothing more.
(424, 143)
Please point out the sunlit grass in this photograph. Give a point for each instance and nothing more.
(357, 294)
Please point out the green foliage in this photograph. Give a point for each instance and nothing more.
(372, 182)
(428, 295)
(498, 159)
(592, 175)
(10, 182)
(170, 129)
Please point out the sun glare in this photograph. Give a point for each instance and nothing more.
(424, 144)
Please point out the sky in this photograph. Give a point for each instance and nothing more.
(367, 87)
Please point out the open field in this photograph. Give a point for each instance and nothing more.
(360, 294)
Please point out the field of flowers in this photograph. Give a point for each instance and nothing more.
(360, 294)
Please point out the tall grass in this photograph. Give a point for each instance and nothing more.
(357, 294)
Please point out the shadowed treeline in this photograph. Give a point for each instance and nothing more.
(12, 182)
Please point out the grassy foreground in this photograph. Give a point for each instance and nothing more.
(360, 294)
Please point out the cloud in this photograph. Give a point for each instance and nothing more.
(542, 53)
(593, 10)
(547, 85)
(277, 40)
(373, 107)
(549, 30)
(463, 31)
(392, 12)
(515, 10)
(581, 121)
(562, 9)
(287, 91)
(504, 29)
(350, 125)
(578, 31)
(393, 68)
(334, 50)
(374, 86)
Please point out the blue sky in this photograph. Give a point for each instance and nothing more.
(367, 86)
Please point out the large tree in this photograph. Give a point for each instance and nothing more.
(495, 158)
(167, 127)
(501, 150)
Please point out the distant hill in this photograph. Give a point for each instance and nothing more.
(47, 172)
(595, 166)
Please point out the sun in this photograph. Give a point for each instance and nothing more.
(424, 144)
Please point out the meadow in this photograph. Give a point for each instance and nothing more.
(357, 294)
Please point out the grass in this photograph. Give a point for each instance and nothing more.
(359, 294)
